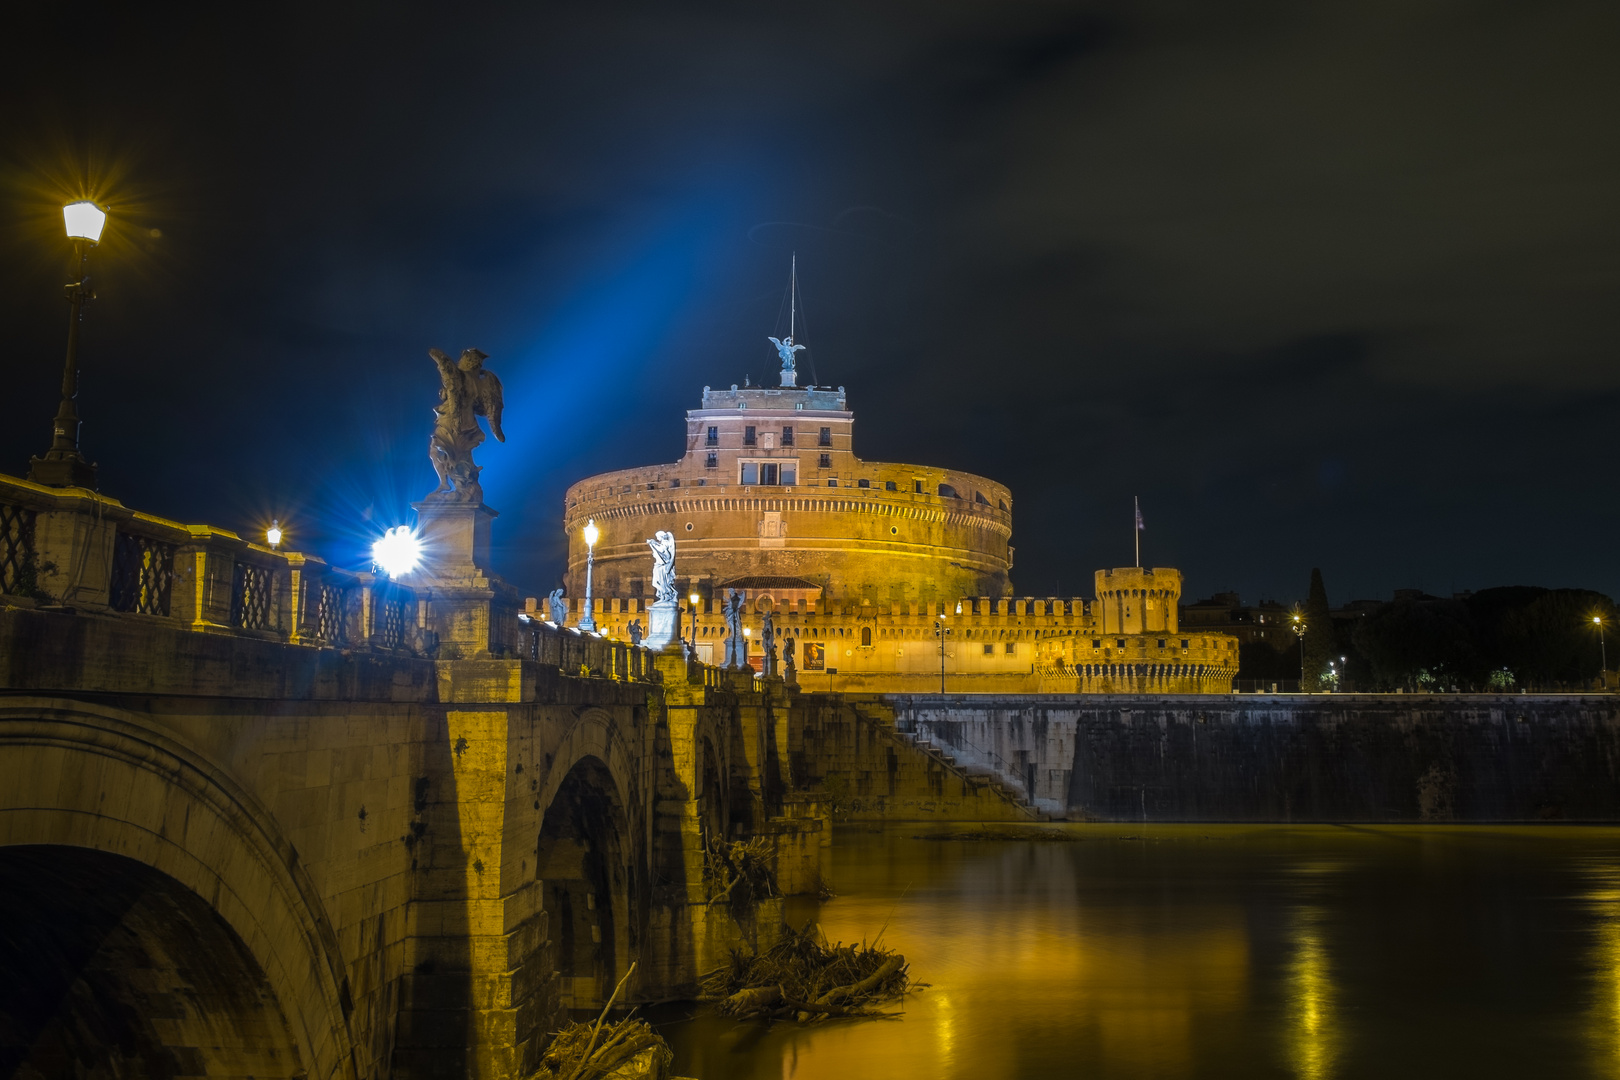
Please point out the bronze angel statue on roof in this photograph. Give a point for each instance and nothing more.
(785, 348)
(468, 392)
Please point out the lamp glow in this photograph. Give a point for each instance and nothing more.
(592, 533)
(272, 535)
(397, 551)
(694, 598)
(84, 220)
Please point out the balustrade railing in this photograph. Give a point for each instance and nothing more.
(18, 560)
(142, 574)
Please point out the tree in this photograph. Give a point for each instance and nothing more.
(1319, 643)
(1422, 645)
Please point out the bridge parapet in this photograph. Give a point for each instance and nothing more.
(75, 548)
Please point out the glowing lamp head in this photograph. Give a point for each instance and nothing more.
(84, 220)
(694, 598)
(272, 535)
(397, 551)
(592, 533)
(748, 631)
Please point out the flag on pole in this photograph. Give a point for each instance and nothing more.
(1139, 525)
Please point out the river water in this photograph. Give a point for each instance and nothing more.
(1224, 951)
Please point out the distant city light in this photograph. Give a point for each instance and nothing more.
(84, 221)
(272, 535)
(397, 551)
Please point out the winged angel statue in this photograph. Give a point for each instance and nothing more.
(468, 393)
(785, 349)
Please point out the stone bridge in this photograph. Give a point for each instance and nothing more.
(248, 827)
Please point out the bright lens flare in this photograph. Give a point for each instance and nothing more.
(272, 535)
(592, 533)
(84, 221)
(397, 551)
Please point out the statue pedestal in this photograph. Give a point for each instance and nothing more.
(663, 626)
(453, 577)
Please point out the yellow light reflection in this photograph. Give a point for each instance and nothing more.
(1605, 1017)
(1313, 1029)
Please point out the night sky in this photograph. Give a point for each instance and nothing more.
(1324, 284)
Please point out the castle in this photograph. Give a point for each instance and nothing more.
(866, 566)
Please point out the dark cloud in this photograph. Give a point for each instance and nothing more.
(1323, 284)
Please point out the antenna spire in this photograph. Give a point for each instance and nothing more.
(793, 297)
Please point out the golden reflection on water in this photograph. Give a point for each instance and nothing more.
(1313, 1031)
(1604, 901)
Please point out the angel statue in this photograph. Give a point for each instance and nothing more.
(468, 393)
(663, 549)
(559, 607)
(785, 349)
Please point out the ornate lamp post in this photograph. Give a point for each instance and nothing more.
(691, 606)
(1299, 632)
(272, 535)
(940, 630)
(587, 618)
(1603, 650)
(63, 465)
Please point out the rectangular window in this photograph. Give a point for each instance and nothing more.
(1183, 643)
(1096, 643)
(826, 437)
(712, 461)
(1161, 643)
(787, 436)
(767, 472)
(916, 487)
(863, 483)
(674, 483)
(826, 461)
(790, 473)
(748, 436)
(832, 481)
(714, 436)
(889, 485)
(1120, 642)
(1012, 648)
(989, 649)
(750, 472)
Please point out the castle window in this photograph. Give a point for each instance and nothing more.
(989, 649)
(1161, 643)
(674, 483)
(978, 497)
(1011, 648)
(948, 492)
(863, 483)
(1096, 643)
(712, 461)
(826, 437)
(866, 635)
(1120, 642)
(1003, 503)
(748, 436)
(714, 436)
(1183, 643)
(790, 473)
(832, 481)
(826, 461)
(890, 485)
(916, 487)
(787, 436)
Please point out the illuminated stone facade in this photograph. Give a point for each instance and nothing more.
(862, 563)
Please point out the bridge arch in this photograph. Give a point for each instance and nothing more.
(591, 857)
(90, 794)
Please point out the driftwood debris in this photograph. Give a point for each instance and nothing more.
(803, 978)
(606, 1051)
(739, 873)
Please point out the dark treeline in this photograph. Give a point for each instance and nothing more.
(1504, 639)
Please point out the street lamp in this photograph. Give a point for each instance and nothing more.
(1603, 650)
(63, 465)
(940, 630)
(587, 619)
(691, 606)
(1299, 632)
(272, 535)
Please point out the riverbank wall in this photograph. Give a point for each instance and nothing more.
(1285, 758)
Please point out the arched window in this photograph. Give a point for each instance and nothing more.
(866, 635)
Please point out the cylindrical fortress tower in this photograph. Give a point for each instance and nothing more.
(1137, 600)
(770, 487)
